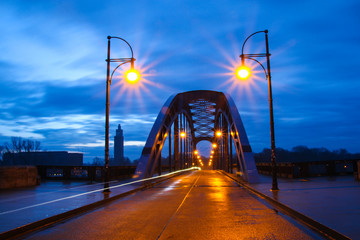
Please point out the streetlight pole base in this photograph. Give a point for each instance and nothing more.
(106, 188)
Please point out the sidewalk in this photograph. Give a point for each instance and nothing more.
(332, 201)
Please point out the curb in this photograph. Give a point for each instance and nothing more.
(309, 222)
(46, 222)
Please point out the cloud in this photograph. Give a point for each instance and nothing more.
(134, 143)
(48, 49)
(133, 119)
(28, 127)
(52, 68)
(291, 119)
(9, 132)
(98, 143)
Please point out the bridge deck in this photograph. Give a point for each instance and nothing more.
(197, 205)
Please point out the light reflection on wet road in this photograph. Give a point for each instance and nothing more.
(333, 201)
(26, 205)
(196, 205)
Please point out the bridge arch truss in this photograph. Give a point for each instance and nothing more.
(190, 117)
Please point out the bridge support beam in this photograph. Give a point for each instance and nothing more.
(184, 113)
(170, 157)
(176, 144)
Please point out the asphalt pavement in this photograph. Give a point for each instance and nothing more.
(332, 201)
(196, 205)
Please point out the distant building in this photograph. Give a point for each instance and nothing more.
(118, 146)
(56, 158)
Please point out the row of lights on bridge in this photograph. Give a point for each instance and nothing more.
(217, 133)
(211, 156)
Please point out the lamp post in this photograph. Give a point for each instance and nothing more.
(242, 74)
(131, 76)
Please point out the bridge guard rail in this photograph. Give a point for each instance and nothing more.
(91, 173)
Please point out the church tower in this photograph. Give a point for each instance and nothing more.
(118, 146)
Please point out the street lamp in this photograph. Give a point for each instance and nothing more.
(245, 73)
(131, 76)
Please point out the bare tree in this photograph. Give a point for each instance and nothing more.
(28, 145)
(2, 151)
(97, 161)
(17, 145)
(8, 148)
(37, 146)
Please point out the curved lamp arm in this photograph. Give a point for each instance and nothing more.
(132, 53)
(254, 55)
(266, 75)
(131, 60)
(242, 49)
(115, 71)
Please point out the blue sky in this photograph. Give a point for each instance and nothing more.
(53, 69)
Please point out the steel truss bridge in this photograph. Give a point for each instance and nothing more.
(191, 117)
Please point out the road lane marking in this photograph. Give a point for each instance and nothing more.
(177, 210)
(94, 191)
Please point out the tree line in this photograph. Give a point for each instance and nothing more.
(18, 144)
(305, 154)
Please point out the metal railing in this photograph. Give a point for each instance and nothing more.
(311, 169)
(92, 173)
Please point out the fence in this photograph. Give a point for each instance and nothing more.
(92, 173)
(311, 169)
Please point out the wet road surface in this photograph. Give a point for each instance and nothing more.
(22, 206)
(333, 201)
(196, 205)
